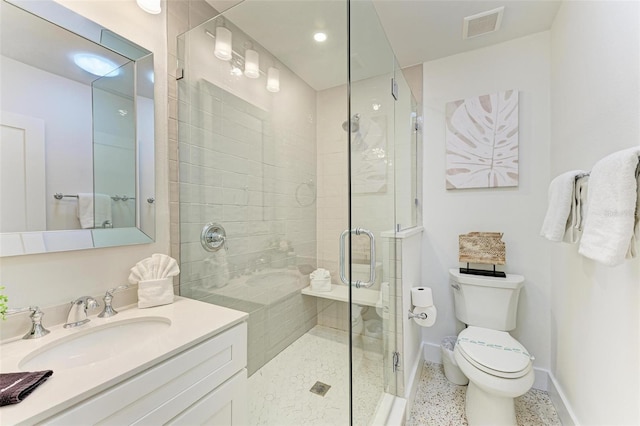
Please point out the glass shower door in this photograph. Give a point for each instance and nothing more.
(372, 200)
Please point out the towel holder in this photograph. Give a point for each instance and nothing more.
(60, 196)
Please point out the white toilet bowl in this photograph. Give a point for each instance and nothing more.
(499, 369)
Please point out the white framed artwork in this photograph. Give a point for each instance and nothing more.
(482, 141)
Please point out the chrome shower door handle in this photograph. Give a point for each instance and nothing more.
(372, 257)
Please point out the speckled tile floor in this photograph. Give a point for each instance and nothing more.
(440, 402)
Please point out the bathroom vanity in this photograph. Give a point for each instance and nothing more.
(183, 363)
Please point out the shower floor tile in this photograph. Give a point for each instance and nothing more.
(279, 392)
(440, 402)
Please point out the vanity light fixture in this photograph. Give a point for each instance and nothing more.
(223, 48)
(150, 6)
(96, 65)
(251, 63)
(273, 80)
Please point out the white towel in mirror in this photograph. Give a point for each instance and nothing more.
(93, 206)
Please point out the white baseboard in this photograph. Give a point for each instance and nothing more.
(560, 402)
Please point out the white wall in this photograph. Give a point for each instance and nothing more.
(521, 64)
(65, 107)
(595, 99)
(48, 279)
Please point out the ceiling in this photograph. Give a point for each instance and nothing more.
(416, 31)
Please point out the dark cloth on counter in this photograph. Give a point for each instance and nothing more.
(14, 387)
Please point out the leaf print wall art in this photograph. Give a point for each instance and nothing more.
(482, 141)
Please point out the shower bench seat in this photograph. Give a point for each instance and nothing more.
(361, 296)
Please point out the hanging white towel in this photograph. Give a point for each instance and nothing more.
(611, 217)
(562, 216)
(93, 206)
(575, 221)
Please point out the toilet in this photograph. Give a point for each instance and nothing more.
(499, 368)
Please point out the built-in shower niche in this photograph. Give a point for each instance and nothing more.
(240, 166)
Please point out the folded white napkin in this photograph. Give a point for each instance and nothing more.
(320, 274)
(93, 209)
(612, 215)
(561, 216)
(154, 276)
(320, 280)
(155, 292)
(155, 267)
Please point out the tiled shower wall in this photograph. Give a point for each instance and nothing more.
(247, 160)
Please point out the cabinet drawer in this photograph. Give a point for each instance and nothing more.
(180, 380)
(226, 405)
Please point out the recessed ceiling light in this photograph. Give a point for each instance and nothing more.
(320, 36)
(96, 65)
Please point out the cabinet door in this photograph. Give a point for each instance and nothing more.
(226, 405)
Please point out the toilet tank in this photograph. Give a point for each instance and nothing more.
(487, 302)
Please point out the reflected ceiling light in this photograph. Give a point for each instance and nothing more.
(273, 80)
(96, 65)
(236, 69)
(223, 44)
(251, 63)
(320, 37)
(149, 6)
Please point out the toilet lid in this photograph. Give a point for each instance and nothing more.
(495, 350)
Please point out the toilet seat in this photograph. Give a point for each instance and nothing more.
(494, 352)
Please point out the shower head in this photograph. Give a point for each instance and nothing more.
(354, 124)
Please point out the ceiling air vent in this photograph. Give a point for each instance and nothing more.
(482, 23)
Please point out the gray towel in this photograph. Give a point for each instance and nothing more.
(14, 387)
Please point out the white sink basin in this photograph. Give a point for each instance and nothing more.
(273, 279)
(94, 344)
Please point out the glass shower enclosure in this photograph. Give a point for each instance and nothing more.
(296, 160)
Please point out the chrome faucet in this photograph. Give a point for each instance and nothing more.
(108, 310)
(37, 329)
(78, 311)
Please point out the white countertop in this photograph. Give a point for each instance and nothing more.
(191, 322)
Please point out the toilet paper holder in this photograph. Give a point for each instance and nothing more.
(421, 315)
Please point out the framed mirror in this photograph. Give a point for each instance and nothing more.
(77, 133)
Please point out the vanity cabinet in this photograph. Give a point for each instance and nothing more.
(204, 384)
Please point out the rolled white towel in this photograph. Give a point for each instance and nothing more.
(612, 215)
(559, 219)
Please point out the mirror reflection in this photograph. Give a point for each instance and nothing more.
(76, 151)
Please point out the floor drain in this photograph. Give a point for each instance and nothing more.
(320, 388)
